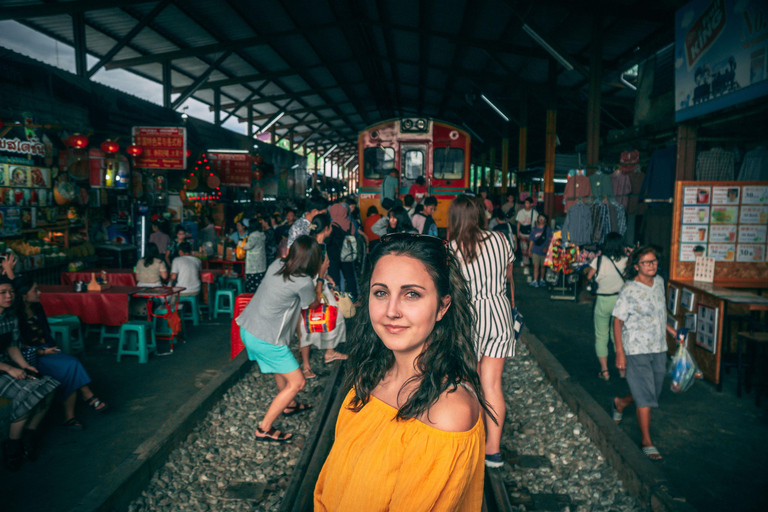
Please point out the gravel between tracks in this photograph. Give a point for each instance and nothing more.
(554, 466)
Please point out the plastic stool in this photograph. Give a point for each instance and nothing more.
(106, 333)
(63, 318)
(218, 307)
(235, 284)
(74, 342)
(144, 344)
(63, 342)
(191, 312)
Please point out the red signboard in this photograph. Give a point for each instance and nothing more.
(164, 148)
(705, 31)
(234, 169)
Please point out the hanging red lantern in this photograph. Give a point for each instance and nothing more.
(257, 174)
(110, 146)
(77, 141)
(189, 153)
(258, 159)
(134, 150)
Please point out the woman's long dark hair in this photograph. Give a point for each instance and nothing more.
(319, 223)
(466, 225)
(404, 223)
(304, 259)
(613, 247)
(449, 358)
(630, 272)
(150, 254)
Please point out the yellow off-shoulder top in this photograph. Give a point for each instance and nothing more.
(380, 464)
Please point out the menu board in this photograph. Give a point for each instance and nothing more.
(164, 147)
(234, 169)
(726, 221)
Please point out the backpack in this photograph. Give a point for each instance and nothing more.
(349, 248)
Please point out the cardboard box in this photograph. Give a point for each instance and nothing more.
(220, 251)
(230, 254)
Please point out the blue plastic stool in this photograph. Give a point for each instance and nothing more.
(192, 310)
(218, 307)
(142, 346)
(106, 333)
(63, 318)
(235, 284)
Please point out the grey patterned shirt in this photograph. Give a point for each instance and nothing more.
(643, 310)
(9, 335)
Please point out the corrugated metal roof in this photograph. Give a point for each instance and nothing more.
(366, 60)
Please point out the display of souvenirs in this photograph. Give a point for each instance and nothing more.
(561, 257)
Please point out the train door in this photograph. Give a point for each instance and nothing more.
(413, 165)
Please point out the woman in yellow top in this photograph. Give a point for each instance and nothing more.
(410, 436)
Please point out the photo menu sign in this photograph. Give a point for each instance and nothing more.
(726, 221)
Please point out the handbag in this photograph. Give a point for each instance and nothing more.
(593, 285)
(517, 326)
(346, 306)
(542, 238)
(320, 319)
(526, 230)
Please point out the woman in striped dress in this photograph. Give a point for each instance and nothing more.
(486, 259)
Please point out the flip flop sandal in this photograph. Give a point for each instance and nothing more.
(336, 357)
(96, 404)
(73, 424)
(651, 450)
(604, 375)
(270, 437)
(308, 373)
(616, 415)
(296, 409)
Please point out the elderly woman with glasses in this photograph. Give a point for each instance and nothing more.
(640, 327)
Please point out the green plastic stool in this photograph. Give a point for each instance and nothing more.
(218, 307)
(192, 311)
(63, 318)
(74, 342)
(235, 284)
(142, 346)
(106, 333)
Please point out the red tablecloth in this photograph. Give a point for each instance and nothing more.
(115, 276)
(109, 307)
(209, 276)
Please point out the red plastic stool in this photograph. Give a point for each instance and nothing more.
(236, 344)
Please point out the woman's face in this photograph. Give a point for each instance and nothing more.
(6, 296)
(240, 227)
(392, 221)
(541, 221)
(648, 265)
(181, 235)
(403, 303)
(33, 295)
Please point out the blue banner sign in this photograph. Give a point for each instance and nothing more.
(721, 52)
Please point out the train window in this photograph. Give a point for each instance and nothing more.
(378, 161)
(448, 163)
(413, 161)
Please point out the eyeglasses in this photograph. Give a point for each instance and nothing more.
(650, 263)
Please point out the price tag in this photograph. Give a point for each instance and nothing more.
(750, 253)
(754, 194)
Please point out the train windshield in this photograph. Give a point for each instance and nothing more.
(378, 162)
(448, 163)
(413, 162)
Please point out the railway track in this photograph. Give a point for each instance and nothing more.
(298, 495)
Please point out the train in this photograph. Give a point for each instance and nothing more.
(415, 146)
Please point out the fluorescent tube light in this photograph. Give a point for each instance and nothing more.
(540, 40)
(273, 121)
(494, 107)
(227, 150)
(348, 160)
(330, 151)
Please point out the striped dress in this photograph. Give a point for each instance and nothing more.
(494, 335)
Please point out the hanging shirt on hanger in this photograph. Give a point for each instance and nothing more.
(716, 164)
(618, 218)
(636, 205)
(660, 177)
(621, 188)
(755, 165)
(629, 161)
(601, 186)
(577, 227)
(577, 187)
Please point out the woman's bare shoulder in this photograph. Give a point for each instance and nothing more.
(454, 411)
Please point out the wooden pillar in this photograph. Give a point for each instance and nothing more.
(504, 159)
(593, 99)
(482, 171)
(492, 170)
(217, 106)
(78, 36)
(290, 141)
(272, 139)
(522, 154)
(685, 168)
(550, 141)
(250, 123)
(167, 85)
(317, 166)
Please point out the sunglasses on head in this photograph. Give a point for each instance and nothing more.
(413, 237)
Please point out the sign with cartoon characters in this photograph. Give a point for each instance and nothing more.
(721, 52)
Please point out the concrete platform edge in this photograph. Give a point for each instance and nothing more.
(124, 483)
(642, 479)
